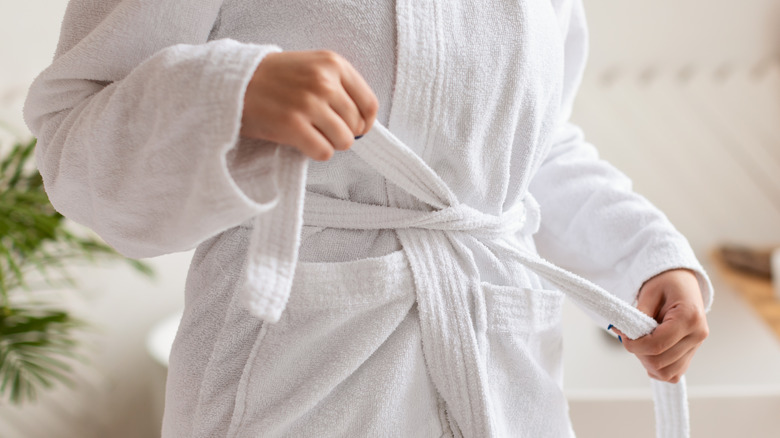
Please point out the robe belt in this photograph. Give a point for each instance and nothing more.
(447, 280)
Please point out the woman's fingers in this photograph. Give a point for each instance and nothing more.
(314, 101)
(673, 372)
(333, 127)
(672, 298)
(668, 334)
(666, 352)
(660, 361)
(361, 93)
(343, 105)
(311, 142)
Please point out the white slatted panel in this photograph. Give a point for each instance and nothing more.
(632, 36)
(685, 98)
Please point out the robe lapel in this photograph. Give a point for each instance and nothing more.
(450, 343)
(417, 66)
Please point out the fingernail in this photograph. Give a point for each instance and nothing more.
(620, 338)
(358, 137)
(610, 327)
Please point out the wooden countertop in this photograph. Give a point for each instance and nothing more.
(756, 291)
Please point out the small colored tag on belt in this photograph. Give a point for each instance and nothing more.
(620, 338)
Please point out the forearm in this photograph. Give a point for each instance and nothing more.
(134, 134)
(593, 223)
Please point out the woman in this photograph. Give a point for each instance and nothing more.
(388, 286)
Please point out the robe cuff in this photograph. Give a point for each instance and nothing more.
(270, 179)
(250, 166)
(674, 253)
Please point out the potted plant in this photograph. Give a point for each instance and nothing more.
(38, 337)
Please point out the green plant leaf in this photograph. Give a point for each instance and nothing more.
(36, 345)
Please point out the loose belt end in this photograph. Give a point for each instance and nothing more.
(268, 276)
(262, 302)
(273, 244)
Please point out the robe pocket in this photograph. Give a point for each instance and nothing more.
(512, 309)
(358, 283)
(524, 359)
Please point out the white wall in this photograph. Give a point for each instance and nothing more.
(684, 96)
(667, 35)
(28, 37)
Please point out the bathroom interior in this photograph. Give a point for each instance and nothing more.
(683, 96)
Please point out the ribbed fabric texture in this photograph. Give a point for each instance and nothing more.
(138, 120)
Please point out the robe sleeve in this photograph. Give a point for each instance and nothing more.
(138, 120)
(593, 223)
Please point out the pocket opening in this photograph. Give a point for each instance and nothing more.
(516, 309)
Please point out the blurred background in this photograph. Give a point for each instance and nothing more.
(683, 96)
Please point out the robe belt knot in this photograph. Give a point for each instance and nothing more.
(446, 273)
(324, 211)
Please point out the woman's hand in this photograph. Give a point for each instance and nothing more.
(314, 101)
(673, 298)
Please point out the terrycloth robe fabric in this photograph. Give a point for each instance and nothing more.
(138, 119)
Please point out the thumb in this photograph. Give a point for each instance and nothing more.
(650, 301)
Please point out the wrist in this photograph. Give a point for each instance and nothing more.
(677, 284)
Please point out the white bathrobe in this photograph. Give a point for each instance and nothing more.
(395, 289)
